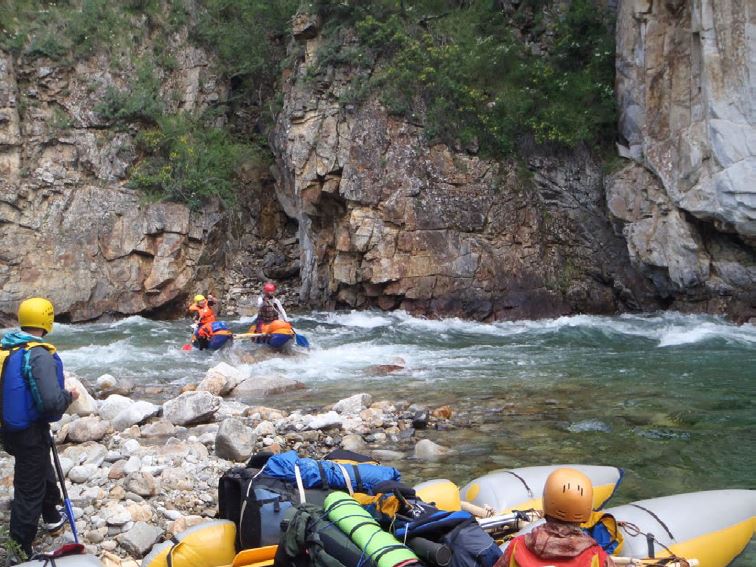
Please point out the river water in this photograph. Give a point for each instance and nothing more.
(671, 398)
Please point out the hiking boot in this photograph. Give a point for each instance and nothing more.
(56, 526)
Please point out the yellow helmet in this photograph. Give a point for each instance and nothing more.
(198, 298)
(568, 496)
(36, 312)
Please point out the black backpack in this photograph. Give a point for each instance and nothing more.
(256, 504)
(309, 539)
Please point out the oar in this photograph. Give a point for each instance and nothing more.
(62, 479)
(249, 335)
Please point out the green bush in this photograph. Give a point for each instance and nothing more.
(459, 68)
(185, 160)
(140, 102)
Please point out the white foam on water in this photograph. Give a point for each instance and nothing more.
(340, 362)
(121, 353)
(676, 335)
(133, 320)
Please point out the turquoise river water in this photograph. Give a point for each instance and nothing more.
(671, 398)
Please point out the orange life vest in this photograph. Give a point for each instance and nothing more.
(519, 555)
(205, 314)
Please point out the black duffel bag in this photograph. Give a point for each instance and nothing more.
(256, 504)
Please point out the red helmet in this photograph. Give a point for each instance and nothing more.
(269, 288)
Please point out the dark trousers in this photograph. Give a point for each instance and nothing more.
(35, 488)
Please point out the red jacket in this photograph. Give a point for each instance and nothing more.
(555, 543)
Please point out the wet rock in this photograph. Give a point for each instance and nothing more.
(427, 450)
(353, 404)
(383, 369)
(235, 441)
(420, 419)
(191, 407)
(221, 379)
(388, 455)
(443, 412)
(260, 386)
(140, 539)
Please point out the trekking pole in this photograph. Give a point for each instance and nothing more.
(62, 480)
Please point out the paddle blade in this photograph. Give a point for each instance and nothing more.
(302, 340)
(186, 347)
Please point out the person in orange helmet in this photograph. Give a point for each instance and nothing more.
(269, 308)
(567, 503)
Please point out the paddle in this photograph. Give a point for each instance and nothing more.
(301, 340)
(62, 479)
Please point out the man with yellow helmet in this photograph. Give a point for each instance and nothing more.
(567, 503)
(204, 317)
(32, 394)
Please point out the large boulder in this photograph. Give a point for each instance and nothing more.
(135, 414)
(191, 407)
(427, 450)
(85, 404)
(113, 405)
(221, 379)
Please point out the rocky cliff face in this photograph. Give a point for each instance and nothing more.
(387, 220)
(687, 203)
(70, 228)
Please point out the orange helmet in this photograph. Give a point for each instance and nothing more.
(568, 496)
(269, 287)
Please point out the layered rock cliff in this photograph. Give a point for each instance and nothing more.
(70, 228)
(687, 203)
(379, 215)
(387, 220)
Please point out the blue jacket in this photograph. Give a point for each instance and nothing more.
(33, 384)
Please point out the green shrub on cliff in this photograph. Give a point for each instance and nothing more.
(476, 75)
(141, 101)
(183, 159)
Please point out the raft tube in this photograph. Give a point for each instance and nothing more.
(205, 545)
(713, 527)
(506, 490)
(276, 334)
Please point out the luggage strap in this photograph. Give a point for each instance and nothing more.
(300, 484)
(522, 480)
(347, 479)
